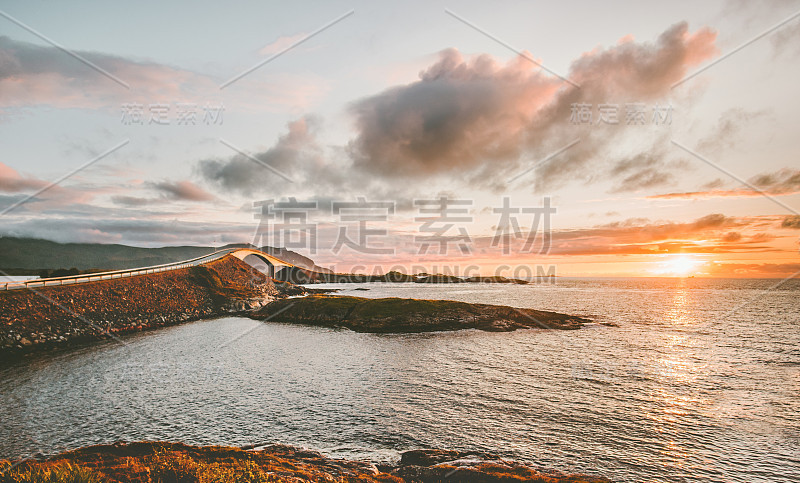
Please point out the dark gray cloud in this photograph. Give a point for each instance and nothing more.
(780, 182)
(791, 222)
(479, 119)
(295, 155)
(474, 122)
(316, 172)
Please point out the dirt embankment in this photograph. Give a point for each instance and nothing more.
(399, 315)
(39, 318)
(151, 462)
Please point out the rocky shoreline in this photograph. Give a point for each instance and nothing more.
(154, 462)
(51, 317)
(397, 315)
(47, 318)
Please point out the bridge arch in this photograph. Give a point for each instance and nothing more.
(262, 264)
(261, 261)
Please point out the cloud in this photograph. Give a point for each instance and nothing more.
(472, 121)
(182, 190)
(725, 133)
(12, 182)
(783, 182)
(55, 196)
(35, 75)
(169, 191)
(281, 43)
(298, 155)
(766, 13)
(732, 237)
(134, 200)
(711, 234)
(294, 152)
(751, 270)
(141, 232)
(643, 171)
(636, 236)
(476, 117)
(791, 222)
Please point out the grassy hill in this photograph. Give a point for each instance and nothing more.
(20, 256)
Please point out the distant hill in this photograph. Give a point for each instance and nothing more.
(30, 254)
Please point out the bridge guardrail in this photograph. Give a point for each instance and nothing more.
(93, 277)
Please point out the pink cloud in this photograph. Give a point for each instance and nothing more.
(12, 182)
(32, 75)
(476, 117)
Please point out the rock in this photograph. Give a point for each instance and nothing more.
(396, 315)
(127, 304)
(432, 465)
(426, 457)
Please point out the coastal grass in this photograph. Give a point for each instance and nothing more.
(56, 473)
(169, 467)
(164, 462)
(394, 307)
(373, 308)
(162, 467)
(154, 462)
(405, 315)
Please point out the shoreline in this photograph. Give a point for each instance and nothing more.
(50, 318)
(155, 461)
(39, 320)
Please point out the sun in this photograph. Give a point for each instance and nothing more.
(679, 266)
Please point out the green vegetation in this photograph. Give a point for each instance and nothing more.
(399, 315)
(396, 307)
(170, 467)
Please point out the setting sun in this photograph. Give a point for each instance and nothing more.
(678, 266)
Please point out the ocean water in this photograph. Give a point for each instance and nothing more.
(679, 380)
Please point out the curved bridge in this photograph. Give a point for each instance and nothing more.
(262, 261)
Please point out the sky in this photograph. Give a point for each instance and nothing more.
(511, 138)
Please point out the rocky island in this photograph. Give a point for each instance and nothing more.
(399, 315)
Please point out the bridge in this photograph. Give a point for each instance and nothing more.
(263, 262)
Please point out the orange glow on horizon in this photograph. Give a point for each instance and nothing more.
(678, 266)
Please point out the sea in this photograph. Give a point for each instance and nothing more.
(676, 380)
